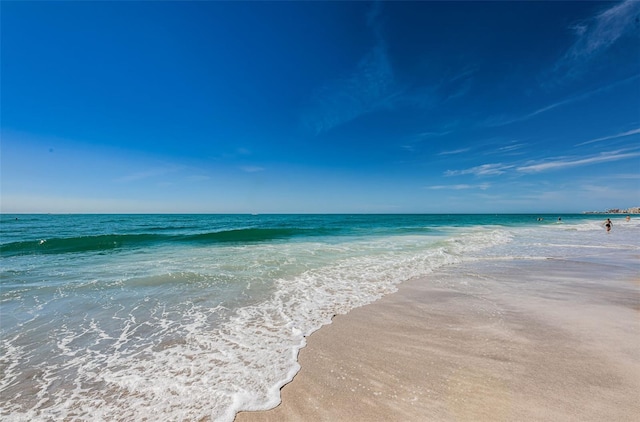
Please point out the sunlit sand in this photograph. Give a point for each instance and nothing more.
(495, 341)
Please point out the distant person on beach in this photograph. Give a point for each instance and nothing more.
(608, 224)
(628, 218)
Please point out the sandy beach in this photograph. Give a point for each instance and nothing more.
(503, 340)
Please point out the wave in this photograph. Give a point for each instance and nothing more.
(107, 242)
(77, 244)
(252, 235)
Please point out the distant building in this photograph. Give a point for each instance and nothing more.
(632, 210)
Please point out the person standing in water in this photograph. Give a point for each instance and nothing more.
(608, 224)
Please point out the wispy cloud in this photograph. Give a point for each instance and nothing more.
(457, 86)
(198, 178)
(600, 32)
(511, 148)
(626, 176)
(562, 163)
(455, 151)
(423, 137)
(495, 169)
(146, 174)
(482, 186)
(605, 138)
(594, 37)
(503, 121)
(251, 169)
(371, 86)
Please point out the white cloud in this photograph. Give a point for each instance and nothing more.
(504, 120)
(370, 87)
(594, 37)
(457, 86)
(625, 176)
(511, 148)
(618, 135)
(198, 178)
(423, 137)
(251, 169)
(565, 163)
(483, 170)
(146, 174)
(603, 30)
(483, 186)
(455, 151)
(429, 135)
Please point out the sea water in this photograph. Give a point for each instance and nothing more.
(191, 317)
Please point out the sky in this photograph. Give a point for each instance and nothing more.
(319, 107)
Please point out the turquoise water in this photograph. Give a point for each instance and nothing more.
(183, 317)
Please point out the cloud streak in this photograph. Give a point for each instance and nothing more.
(502, 121)
(455, 151)
(603, 30)
(566, 163)
(495, 169)
(370, 87)
(251, 169)
(146, 174)
(511, 148)
(595, 36)
(605, 138)
(482, 186)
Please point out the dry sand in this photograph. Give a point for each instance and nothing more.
(545, 340)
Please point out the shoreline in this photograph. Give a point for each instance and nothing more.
(490, 340)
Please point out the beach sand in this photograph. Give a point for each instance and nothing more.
(526, 340)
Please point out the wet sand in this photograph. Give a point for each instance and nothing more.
(544, 340)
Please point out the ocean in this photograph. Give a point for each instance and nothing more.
(198, 317)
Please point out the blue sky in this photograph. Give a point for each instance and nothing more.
(267, 107)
